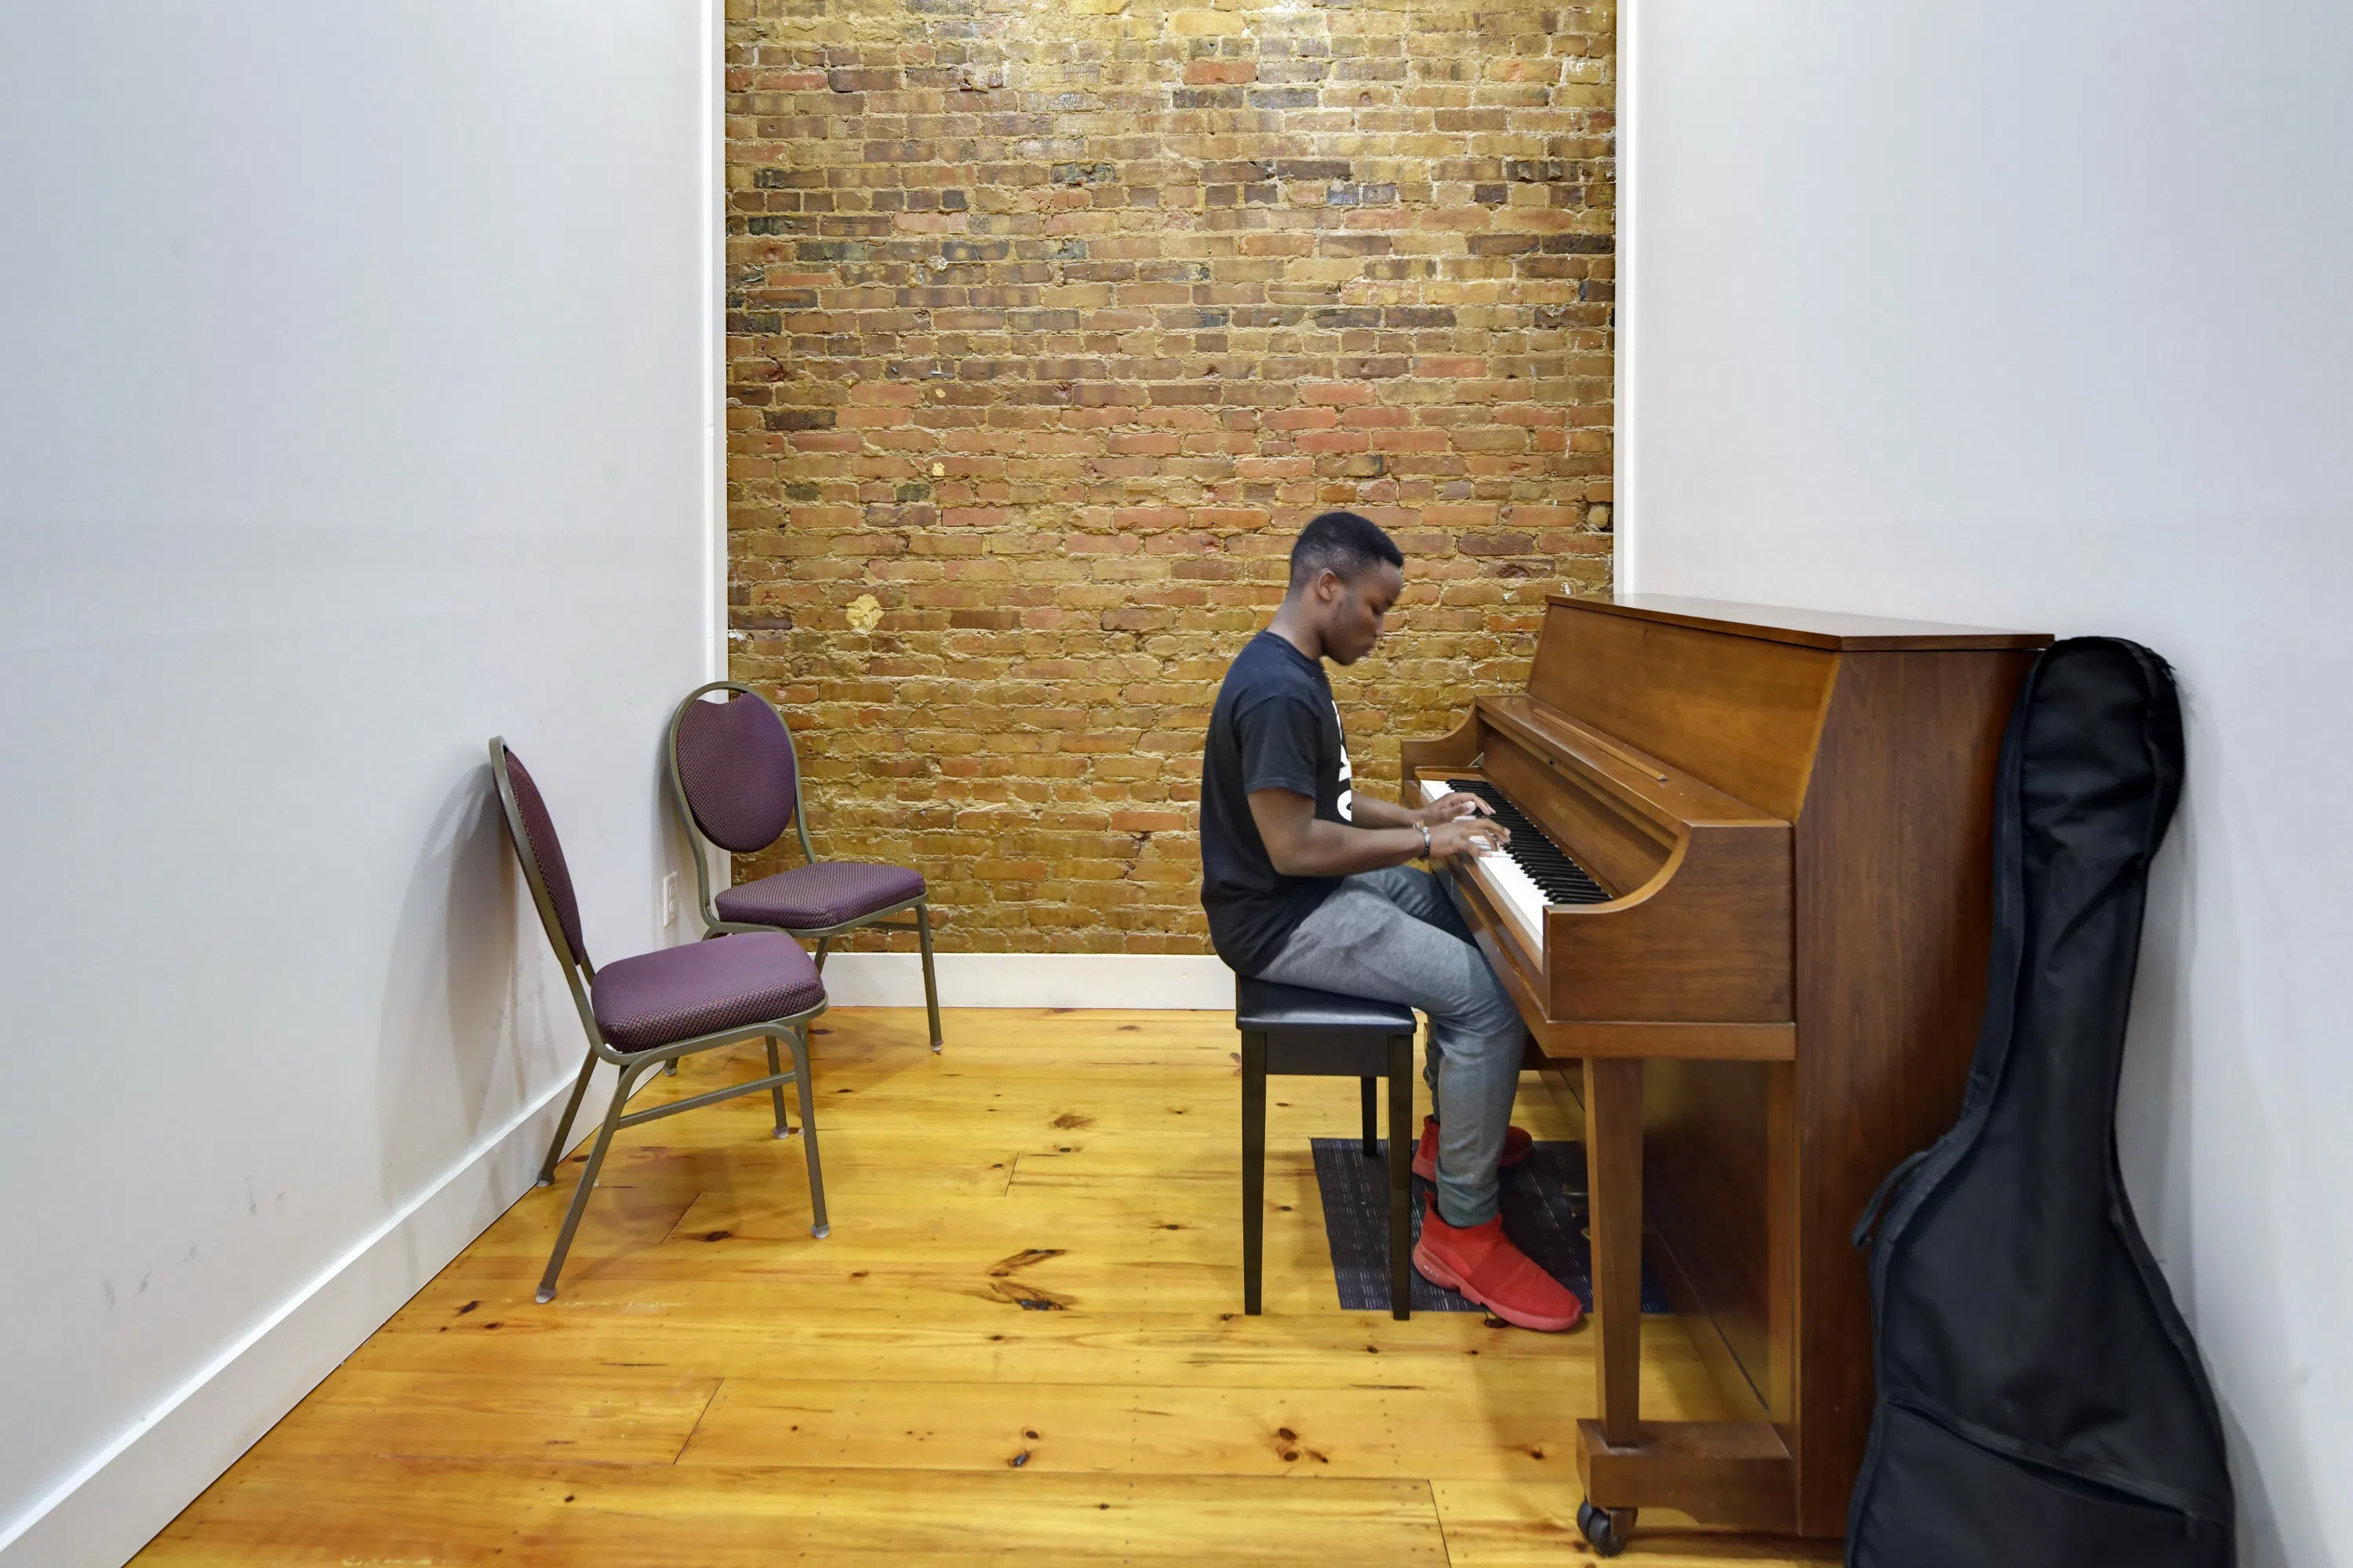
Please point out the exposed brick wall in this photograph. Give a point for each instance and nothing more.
(1050, 324)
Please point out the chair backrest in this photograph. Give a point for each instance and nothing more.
(733, 764)
(533, 832)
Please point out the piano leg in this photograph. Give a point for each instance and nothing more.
(1613, 1176)
(1731, 1472)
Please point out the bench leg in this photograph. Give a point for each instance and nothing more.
(1401, 1147)
(1372, 1118)
(1253, 1166)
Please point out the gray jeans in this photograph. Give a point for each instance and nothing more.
(1395, 936)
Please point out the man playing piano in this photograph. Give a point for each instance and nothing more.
(1308, 883)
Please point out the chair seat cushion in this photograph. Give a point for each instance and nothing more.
(1265, 1005)
(675, 993)
(809, 897)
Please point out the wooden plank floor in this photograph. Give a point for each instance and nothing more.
(1022, 1341)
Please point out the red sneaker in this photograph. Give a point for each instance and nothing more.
(1425, 1155)
(1482, 1262)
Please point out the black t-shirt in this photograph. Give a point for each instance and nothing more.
(1274, 727)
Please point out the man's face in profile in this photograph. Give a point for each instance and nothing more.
(1359, 608)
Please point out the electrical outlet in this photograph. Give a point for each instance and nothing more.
(668, 911)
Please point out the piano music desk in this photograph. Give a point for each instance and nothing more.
(1791, 813)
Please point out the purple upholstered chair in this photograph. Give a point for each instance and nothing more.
(737, 784)
(645, 1011)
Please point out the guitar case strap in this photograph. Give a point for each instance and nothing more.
(2040, 1401)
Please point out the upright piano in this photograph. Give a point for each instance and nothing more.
(1745, 914)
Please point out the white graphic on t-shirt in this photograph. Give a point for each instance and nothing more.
(1347, 803)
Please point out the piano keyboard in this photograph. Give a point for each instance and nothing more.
(1533, 871)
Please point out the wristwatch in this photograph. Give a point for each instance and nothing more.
(1425, 839)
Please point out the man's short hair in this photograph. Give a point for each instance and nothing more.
(1343, 543)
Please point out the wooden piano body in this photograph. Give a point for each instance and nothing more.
(1793, 813)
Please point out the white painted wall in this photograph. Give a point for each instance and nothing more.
(356, 389)
(2040, 316)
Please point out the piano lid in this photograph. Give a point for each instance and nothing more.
(1825, 628)
(1734, 695)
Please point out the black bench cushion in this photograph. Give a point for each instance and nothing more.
(1263, 1005)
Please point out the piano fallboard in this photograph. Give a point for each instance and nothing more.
(1696, 931)
(1511, 931)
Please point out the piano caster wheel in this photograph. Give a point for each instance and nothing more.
(1605, 1527)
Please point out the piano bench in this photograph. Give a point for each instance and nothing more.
(1288, 1029)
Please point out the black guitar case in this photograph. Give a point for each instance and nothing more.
(2040, 1403)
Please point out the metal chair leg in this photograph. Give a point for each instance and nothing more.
(824, 945)
(1372, 1117)
(629, 1076)
(1254, 1169)
(564, 1127)
(821, 1227)
(931, 981)
(777, 1091)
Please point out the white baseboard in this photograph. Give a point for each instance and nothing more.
(113, 1505)
(1033, 979)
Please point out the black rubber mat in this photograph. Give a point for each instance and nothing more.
(1544, 1212)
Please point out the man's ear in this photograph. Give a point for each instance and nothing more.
(1328, 587)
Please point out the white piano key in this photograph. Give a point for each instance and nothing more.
(1505, 882)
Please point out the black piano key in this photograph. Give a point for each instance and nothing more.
(1553, 869)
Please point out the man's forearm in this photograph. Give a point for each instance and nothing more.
(1336, 849)
(1368, 812)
